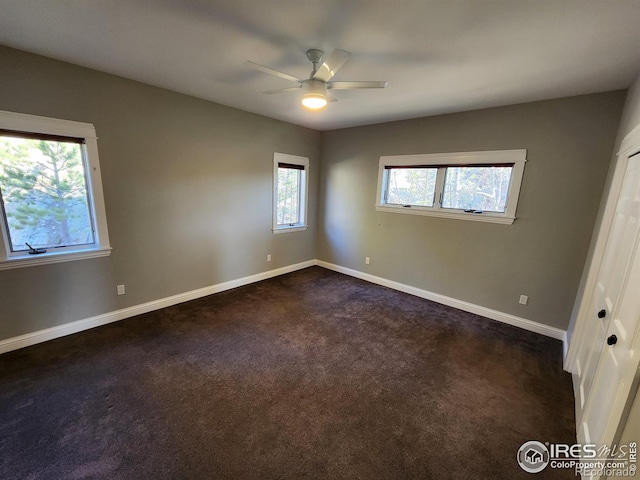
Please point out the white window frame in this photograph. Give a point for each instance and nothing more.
(20, 122)
(517, 158)
(303, 192)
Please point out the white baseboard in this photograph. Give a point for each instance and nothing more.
(530, 325)
(40, 336)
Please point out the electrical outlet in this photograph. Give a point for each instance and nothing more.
(524, 299)
(367, 260)
(120, 289)
(269, 258)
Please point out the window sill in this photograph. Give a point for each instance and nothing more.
(54, 257)
(474, 217)
(296, 228)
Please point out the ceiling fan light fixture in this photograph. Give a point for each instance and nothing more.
(315, 94)
(314, 101)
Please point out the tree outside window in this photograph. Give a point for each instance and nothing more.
(44, 193)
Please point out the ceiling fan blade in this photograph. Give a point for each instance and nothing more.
(331, 65)
(281, 90)
(354, 85)
(271, 71)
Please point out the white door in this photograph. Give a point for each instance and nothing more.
(608, 286)
(609, 360)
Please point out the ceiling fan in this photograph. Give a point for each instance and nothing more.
(316, 88)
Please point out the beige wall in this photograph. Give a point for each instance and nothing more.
(569, 143)
(631, 113)
(187, 189)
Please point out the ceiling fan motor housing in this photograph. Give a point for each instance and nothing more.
(314, 86)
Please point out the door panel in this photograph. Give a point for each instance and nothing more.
(611, 359)
(613, 271)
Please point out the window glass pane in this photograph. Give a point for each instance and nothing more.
(411, 186)
(44, 193)
(477, 188)
(288, 202)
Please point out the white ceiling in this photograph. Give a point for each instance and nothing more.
(439, 56)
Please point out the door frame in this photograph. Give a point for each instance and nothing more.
(630, 145)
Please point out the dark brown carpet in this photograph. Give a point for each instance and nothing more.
(311, 375)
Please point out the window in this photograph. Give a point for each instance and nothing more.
(411, 186)
(481, 186)
(290, 181)
(51, 202)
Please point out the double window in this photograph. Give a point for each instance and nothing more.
(50, 191)
(290, 181)
(480, 186)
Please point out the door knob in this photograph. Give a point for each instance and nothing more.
(602, 313)
(612, 340)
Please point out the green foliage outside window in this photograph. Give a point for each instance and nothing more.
(44, 193)
(477, 188)
(288, 201)
(412, 186)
